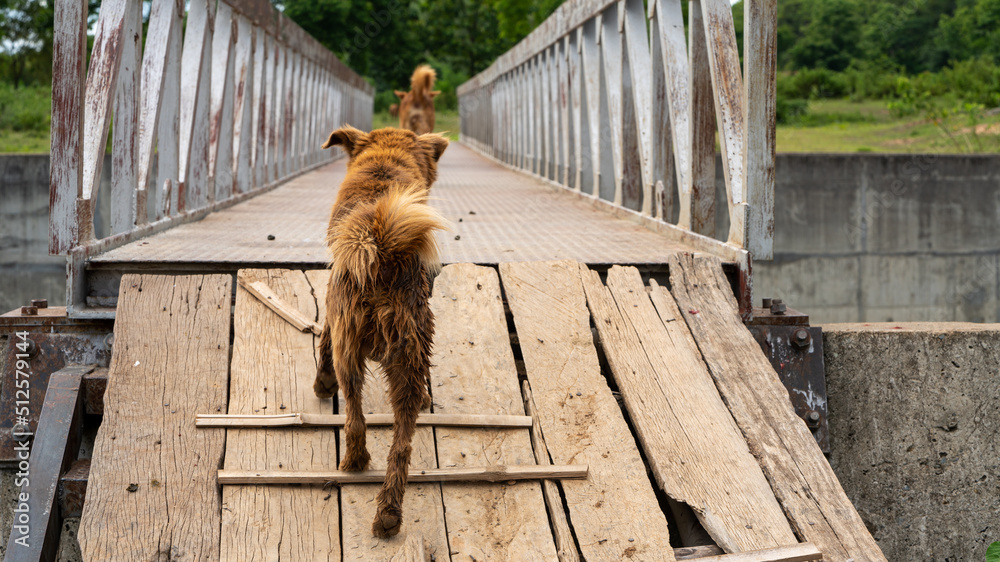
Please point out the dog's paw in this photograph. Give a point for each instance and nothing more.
(425, 401)
(323, 390)
(387, 523)
(355, 463)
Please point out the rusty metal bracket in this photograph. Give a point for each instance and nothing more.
(34, 535)
(796, 352)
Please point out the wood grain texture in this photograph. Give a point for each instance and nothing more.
(168, 125)
(695, 450)
(69, 58)
(636, 45)
(760, 43)
(669, 30)
(220, 147)
(243, 106)
(196, 77)
(561, 532)
(804, 552)
(170, 361)
(614, 513)
(474, 372)
(328, 420)
(702, 127)
(273, 367)
(494, 473)
(799, 474)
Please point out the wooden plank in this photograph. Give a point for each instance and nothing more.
(152, 488)
(803, 552)
(474, 372)
(695, 552)
(702, 128)
(800, 476)
(670, 30)
(760, 46)
(336, 420)
(561, 532)
(69, 58)
(724, 61)
(615, 510)
(274, 365)
(695, 450)
(423, 512)
(124, 136)
(491, 473)
(290, 313)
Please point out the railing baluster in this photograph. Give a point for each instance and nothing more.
(702, 127)
(168, 127)
(155, 61)
(220, 154)
(576, 87)
(564, 106)
(591, 73)
(637, 49)
(611, 51)
(126, 204)
(662, 131)
(243, 106)
(69, 56)
(760, 42)
(196, 79)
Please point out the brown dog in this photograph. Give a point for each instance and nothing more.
(416, 107)
(384, 256)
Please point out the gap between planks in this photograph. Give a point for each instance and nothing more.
(338, 420)
(496, 473)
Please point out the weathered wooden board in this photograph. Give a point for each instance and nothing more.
(800, 476)
(702, 127)
(694, 448)
(494, 473)
(152, 492)
(317, 420)
(474, 372)
(760, 42)
(615, 513)
(273, 368)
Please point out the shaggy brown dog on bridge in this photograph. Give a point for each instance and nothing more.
(416, 107)
(384, 256)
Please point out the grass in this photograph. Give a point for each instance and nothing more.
(445, 121)
(845, 126)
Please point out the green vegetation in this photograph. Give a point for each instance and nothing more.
(993, 552)
(24, 118)
(445, 121)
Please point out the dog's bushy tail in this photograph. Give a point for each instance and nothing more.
(422, 81)
(397, 224)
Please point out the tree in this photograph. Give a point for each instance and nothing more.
(26, 40)
(830, 39)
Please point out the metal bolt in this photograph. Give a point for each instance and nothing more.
(109, 341)
(29, 311)
(40, 303)
(32, 347)
(812, 419)
(778, 307)
(767, 302)
(21, 431)
(801, 338)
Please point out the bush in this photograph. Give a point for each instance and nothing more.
(26, 108)
(813, 84)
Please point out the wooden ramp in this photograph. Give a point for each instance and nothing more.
(705, 421)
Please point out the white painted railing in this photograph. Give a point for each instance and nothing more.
(594, 102)
(233, 103)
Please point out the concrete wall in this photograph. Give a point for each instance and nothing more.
(871, 237)
(27, 271)
(915, 435)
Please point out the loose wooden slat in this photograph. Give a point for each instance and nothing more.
(474, 372)
(803, 552)
(69, 57)
(760, 43)
(492, 473)
(563, 535)
(702, 128)
(273, 365)
(152, 488)
(799, 474)
(124, 137)
(283, 309)
(337, 420)
(615, 510)
(727, 85)
(695, 450)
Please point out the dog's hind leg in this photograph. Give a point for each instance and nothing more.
(350, 368)
(325, 385)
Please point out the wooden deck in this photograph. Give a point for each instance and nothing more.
(497, 215)
(690, 427)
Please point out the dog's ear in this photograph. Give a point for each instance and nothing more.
(400, 94)
(435, 142)
(435, 93)
(349, 138)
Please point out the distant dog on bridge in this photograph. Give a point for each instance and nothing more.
(383, 259)
(416, 107)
